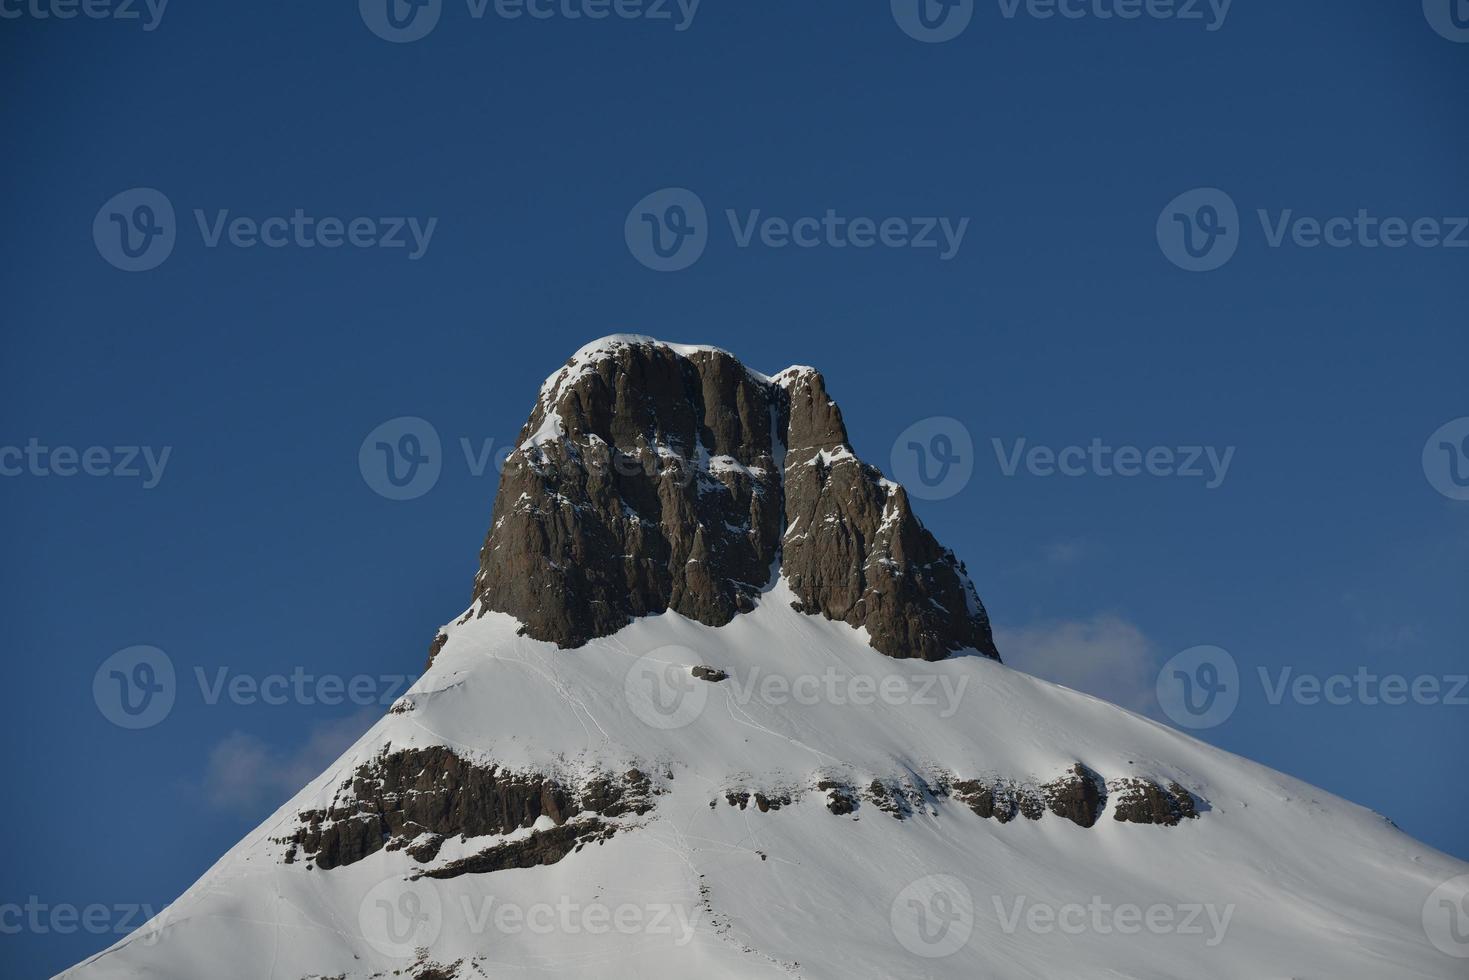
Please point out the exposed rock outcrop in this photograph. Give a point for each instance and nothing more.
(414, 798)
(1079, 796)
(541, 847)
(1144, 801)
(853, 550)
(652, 477)
(999, 799)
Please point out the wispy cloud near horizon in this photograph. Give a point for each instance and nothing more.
(1104, 655)
(243, 772)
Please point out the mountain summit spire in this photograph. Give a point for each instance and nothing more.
(654, 476)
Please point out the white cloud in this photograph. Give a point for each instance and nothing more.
(243, 772)
(1065, 554)
(1105, 656)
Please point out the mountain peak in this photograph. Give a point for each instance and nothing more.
(653, 476)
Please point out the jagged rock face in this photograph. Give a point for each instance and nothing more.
(1079, 796)
(644, 481)
(651, 478)
(853, 550)
(1144, 801)
(415, 798)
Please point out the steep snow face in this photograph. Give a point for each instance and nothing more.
(1272, 879)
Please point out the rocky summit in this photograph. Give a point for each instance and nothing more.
(654, 476)
(749, 789)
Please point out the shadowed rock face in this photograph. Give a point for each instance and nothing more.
(651, 478)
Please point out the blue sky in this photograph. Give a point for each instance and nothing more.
(526, 145)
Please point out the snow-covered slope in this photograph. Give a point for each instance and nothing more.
(1272, 879)
(723, 707)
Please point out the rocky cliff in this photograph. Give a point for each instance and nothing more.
(653, 476)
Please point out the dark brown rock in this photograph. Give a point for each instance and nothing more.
(1079, 796)
(711, 674)
(650, 479)
(854, 550)
(1144, 801)
(999, 799)
(440, 639)
(540, 848)
(765, 803)
(841, 798)
(410, 797)
(656, 489)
